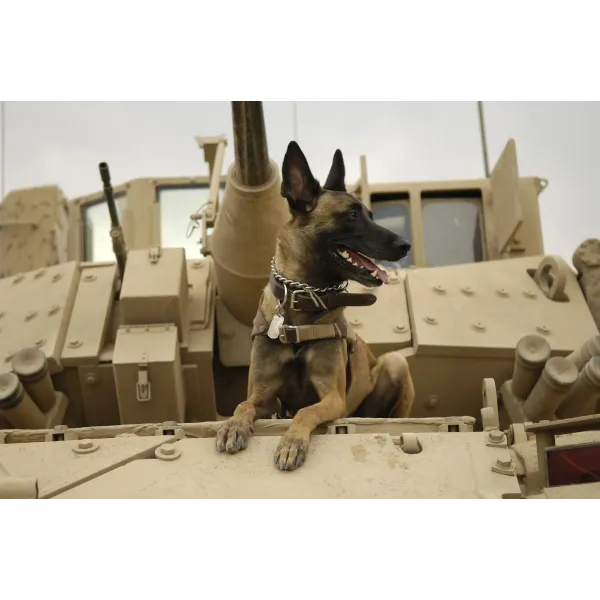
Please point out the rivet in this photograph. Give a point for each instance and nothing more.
(39, 274)
(56, 277)
(431, 402)
(227, 334)
(467, 290)
(478, 326)
(439, 289)
(543, 329)
(430, 320)
(40, 343)
(529, 294)
(75, 343)
(505, 463)
(30, 315)
(197, 265)
(18, 279)
(85, 447)
(393, 278)
(89, 277)
(91, 380)
(496, 436)
(167, 452)
(356, 322)
(1, 314)
(400, 328)
(53, 310)
(502, 293)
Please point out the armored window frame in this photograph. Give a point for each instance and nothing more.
(171, 186)
(398, 198)
(472, 196)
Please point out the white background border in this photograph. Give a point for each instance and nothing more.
(298, 51)
(299, 549)
(313, 50)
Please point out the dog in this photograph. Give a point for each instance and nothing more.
(303, 354)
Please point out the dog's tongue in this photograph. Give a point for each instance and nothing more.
(367, 264)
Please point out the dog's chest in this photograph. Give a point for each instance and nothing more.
(297, 391)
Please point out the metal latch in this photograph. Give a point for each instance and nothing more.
(154, 254)
(341, 429)
(142, 388)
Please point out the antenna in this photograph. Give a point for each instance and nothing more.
(295, 119)
(2, 146)
(486, 165)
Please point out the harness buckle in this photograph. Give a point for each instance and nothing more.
(288, 334)
(319, 304)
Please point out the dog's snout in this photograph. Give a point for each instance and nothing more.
(401, 247)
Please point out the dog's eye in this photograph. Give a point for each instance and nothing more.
(352, 215)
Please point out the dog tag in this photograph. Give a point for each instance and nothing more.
(276, 323)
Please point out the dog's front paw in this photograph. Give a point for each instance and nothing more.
(291, 452)
(233, 436)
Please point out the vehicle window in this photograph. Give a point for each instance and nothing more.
(394, 216)
(97, 244)
(176, 206)
(452, 232)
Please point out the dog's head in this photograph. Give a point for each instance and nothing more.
(334, 226)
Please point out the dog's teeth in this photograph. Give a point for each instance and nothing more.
(375, 274)
(344, 254)
(349, 259)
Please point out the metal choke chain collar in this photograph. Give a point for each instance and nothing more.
(296, 284)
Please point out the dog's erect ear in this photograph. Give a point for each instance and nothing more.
(298, 185)
(337, 174)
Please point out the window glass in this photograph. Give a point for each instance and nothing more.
(452, 231)
(176, 206)
(97, 243)
(394, 216)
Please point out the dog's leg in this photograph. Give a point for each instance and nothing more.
(326, 369)
(264, 382)
(393, 391)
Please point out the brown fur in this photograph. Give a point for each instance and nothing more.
(310, 380)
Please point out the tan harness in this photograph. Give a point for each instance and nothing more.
(309, 301)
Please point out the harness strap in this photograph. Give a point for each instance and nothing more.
(297, 334)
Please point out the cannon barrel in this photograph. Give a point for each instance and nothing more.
(116, 232)
(250, 216)
(250, 143)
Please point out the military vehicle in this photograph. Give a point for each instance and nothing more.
(125, 321)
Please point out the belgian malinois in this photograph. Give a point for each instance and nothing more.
(303, 353)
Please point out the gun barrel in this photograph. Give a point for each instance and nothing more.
(250, 142)
(108, 194)
(116, 232)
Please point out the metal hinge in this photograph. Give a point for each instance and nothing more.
(142, 388)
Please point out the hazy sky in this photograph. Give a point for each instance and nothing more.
(62, 143)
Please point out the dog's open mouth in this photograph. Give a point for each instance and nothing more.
(362, 263)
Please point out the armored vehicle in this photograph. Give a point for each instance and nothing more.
(125, 336)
